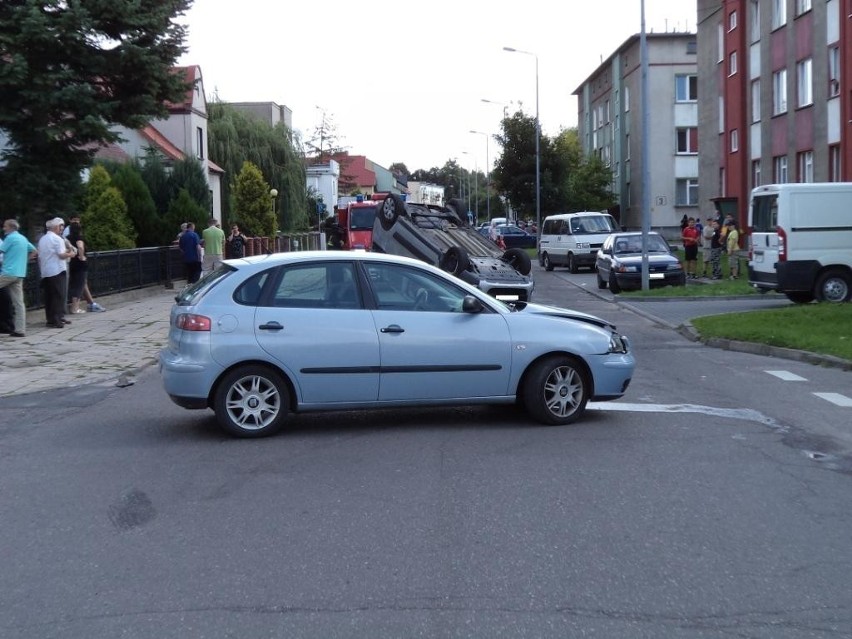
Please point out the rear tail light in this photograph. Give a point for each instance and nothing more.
(192, 322)
(782, 245)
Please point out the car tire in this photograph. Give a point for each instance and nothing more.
(555, 390)
(613, 285)
(834, 286)
(800, 297)
(458, 208)
(252, 401)
(389, 210)
(455, 260)
(546, 263)
(572, 264)
(519, 259)
(601, 281)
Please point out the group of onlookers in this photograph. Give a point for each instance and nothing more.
(714, 239)
(204, 253)
(63, 266)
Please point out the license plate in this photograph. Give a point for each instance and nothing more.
(656, 276)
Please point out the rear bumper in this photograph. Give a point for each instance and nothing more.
(186, 383)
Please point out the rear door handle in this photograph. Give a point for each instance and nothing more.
(271, 326)
(393, 328)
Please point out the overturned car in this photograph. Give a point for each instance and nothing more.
(441, 236)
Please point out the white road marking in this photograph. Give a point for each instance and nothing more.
(787, 376)
(746, 414)
(836, 398)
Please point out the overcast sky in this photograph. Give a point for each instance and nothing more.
(404, 82)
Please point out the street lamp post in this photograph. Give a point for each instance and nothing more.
(502, 104)
(487, 175)
(273, 193)
(537, 148)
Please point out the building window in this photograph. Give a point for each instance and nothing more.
(692, 47)
(802, 6)
(686, 88)
(804, 83)
(686, 192)
(755, 20)
(755, 174)
(732, 21)
(833, 72)
(732, 63)
(199, 143)
(805, 163)
(735, 141)
(626, 98)
(834, 163)
(755, 101)
(779, 13)
(687, 140)
(720, 42)
(779, 92)
(780, 167)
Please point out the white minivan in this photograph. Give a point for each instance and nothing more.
(801, 240)
(573, 239)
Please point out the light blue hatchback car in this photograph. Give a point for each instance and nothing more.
(263, 337)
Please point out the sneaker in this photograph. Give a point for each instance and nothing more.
(94, 307)
(17, 334)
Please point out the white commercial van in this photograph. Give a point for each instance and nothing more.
(801, 240)
(573, 239)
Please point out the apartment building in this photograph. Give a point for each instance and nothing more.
(781, 71)
(610, 126)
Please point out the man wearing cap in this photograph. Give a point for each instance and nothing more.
(52, 255)
(15, 248)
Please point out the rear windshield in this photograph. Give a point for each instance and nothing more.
(193, 293)
(764, 213)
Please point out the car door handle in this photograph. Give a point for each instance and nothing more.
(393, 328)
(271, 326)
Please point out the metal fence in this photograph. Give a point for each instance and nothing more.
(128, 269)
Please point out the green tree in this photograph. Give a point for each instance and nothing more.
(184, 208)
(235, 138)
(189, 174)
(149, 225)
(70, 71)
(153, 171)
(105, 220)
(253, 202)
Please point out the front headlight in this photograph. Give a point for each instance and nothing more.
(627, 269)
(618, 343)
(674, 267)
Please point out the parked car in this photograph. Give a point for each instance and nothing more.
(619, 262)
(515, 237)
(573, 239)
(441, 236)
(266, 336)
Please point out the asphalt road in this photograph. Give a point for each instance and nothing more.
(713, 501)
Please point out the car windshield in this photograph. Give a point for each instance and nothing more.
(633, 244)
(592, 224)
(362, 219)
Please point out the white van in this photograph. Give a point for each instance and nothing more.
(801, 240)
(573, 239)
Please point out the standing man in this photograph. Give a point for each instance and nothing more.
(237, 242)
(716, 246)
(213, 241)
(690, 236)
(190, 246)
(16, 250)
(53, 254)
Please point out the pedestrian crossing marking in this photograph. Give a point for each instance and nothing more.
(836, 398)
(787, 376)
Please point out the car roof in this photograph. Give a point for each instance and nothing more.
(632, 233)
(568, 216)
(295, 257)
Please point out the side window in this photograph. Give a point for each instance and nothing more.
(400, 288)
(327, 285)
(249, 291)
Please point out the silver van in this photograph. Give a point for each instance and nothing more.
(573, 239)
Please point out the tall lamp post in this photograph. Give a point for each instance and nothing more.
(487, 175)
(537, 149)
(475, 187)
(502, 104)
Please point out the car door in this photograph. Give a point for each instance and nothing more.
(431, 349)
(313, 323)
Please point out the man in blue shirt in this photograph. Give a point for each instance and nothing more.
(16, 250)
(190, 246)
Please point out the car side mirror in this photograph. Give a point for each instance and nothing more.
(471, 305)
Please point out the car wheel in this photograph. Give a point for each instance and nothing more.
(391, 208)
(601, 281)
(458, 208)
(252, 401)
(834, 286)
(455, 260)
(613, 285)
(572, 265)
(519, 259)
(555, 390)
(546, 263)
(800, 297)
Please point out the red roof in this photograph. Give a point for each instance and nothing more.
(159, 141)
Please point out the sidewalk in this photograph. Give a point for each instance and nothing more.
(95, 347)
